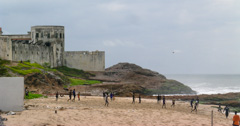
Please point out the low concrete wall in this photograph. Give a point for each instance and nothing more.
(11, 93)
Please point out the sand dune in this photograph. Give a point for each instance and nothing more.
(91, 111)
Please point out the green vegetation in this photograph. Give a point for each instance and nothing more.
(33, 65)
(75, 82)
(32, 96)
(3, 70)
(19, 70)
(74, 72)
(25, 68)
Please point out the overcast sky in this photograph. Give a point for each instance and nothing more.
(203, 34)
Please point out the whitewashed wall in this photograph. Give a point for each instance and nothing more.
(11, 93)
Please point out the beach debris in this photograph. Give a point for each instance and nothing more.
(60, 108)
(1, 121)
(11, 113)
(71, 107)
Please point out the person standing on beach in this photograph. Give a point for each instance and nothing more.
(133, 96)
(74, 94)
(191, 103)
(197, 101)
(173, 102)
(70, 95)
(227, 110)
(26, 91)
(236, 119)
(219, 108)
(195, 107)
(103, 95)
(158, 99)
(106, 99)
(78, 96)
(139, 99)
(57, 96)
(164, 102)
(111, 96)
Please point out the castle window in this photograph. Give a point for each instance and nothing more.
(37, 35)
(60, 35)
(56, 35)
(48, 35)
(63, 35)
(41, 35)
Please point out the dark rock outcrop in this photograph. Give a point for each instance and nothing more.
(124, 78)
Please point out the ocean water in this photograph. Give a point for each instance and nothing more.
(209, 83)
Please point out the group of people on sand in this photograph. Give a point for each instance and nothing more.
(194, 108)
(71, 93)
(158, 100)
(105, 97)
(226, 110)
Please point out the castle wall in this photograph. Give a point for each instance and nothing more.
(84, 60)
(35, 53)
(5, 48)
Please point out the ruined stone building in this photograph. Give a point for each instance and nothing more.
(45, 44)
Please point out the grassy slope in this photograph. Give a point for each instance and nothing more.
(25, 68)
(71, 72)
(75, 82)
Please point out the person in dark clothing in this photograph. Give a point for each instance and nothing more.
(133, 96)
(26, 91)
(191, 103)
(227, 110)
(57, 96)
(103, 95)
(111, 96)
(106, 99)
(158, 99)
(139, 98)
(173, 102)
(164, 102)
(70, 95)
(74, 94)
(197, 101)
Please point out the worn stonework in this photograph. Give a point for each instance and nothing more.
(45, 44)
(88, 61)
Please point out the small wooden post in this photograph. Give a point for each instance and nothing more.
(212, 118)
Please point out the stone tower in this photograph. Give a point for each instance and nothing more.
(52, 36)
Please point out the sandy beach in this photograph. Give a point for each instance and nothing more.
(90, 111)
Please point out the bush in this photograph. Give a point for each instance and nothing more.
(32, 96)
